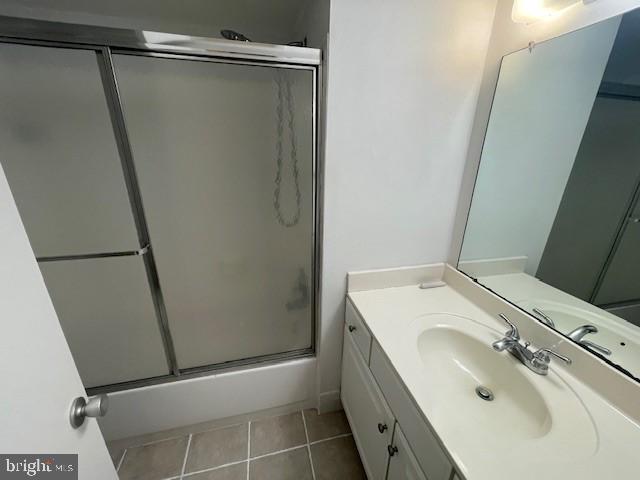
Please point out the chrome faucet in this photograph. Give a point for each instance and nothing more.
(543, 317)
(537, 361)
(578, 335)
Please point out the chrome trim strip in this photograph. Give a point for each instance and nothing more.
(88, 256)
(204, 371)
(316, 203)
(31, 29)
(116, 112)
(197, 58)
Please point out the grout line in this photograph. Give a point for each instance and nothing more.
(306, 445)
(248, 448)
(186, 454)
(332, 438)
(231, 464)
(173, 437)
(121, 460)
(279, 451)
(306, 434)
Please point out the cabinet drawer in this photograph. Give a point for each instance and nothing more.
(370, 417)
(357, 329)
(429, 454)
(403, 464)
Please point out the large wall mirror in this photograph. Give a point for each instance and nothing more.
(554, 225)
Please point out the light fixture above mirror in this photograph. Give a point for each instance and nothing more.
(530, 11)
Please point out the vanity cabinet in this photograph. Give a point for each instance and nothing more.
(393, 439)
(358, 331)
(403, 465)
(370, 418)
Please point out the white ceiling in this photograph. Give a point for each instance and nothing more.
(270, 21)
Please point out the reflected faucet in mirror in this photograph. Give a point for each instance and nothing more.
(579, 333)
(543, 317)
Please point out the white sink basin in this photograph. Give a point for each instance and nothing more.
(530, 415)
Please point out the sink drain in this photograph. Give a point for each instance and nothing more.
(484, 393)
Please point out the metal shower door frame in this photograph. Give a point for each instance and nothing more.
(107, 41)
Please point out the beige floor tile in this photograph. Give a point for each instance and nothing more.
(337, 458)
(277, 433)
(152, 462)
(234, 472)
(326, 425)
(217, 447)
(290, 465)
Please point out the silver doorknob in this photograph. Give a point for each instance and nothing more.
(80, 409)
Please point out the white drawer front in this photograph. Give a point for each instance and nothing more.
(357, 329)
(403, 464)
(370, 417)
(430, 456)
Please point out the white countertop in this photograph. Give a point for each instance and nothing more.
(388, 314)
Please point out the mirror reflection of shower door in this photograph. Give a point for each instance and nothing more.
(210, 143)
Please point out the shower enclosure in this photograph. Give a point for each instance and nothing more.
(168, 186)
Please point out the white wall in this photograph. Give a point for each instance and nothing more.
(508, 37)
(540, 111)
(403, 80)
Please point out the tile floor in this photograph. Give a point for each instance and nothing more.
(299, 446)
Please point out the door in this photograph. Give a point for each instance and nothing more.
(39, 377)
(224, 158)
(370, 418)
(403, 464)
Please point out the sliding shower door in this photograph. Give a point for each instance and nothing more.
(60, 156)
(169, 201)
(224, 159)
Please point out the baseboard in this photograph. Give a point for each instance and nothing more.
(329, 401)
(206, 399)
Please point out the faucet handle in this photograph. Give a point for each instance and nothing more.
(542, 355)
(513, 333)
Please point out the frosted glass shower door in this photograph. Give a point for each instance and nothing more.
(59, 153)
(224, 158)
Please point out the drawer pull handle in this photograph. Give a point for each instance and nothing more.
(382, 427)
(392, 450)
(352, 328)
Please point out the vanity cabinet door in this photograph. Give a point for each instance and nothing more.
(357, 329)
(402, 463)
(430, 455)
(370, 418)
